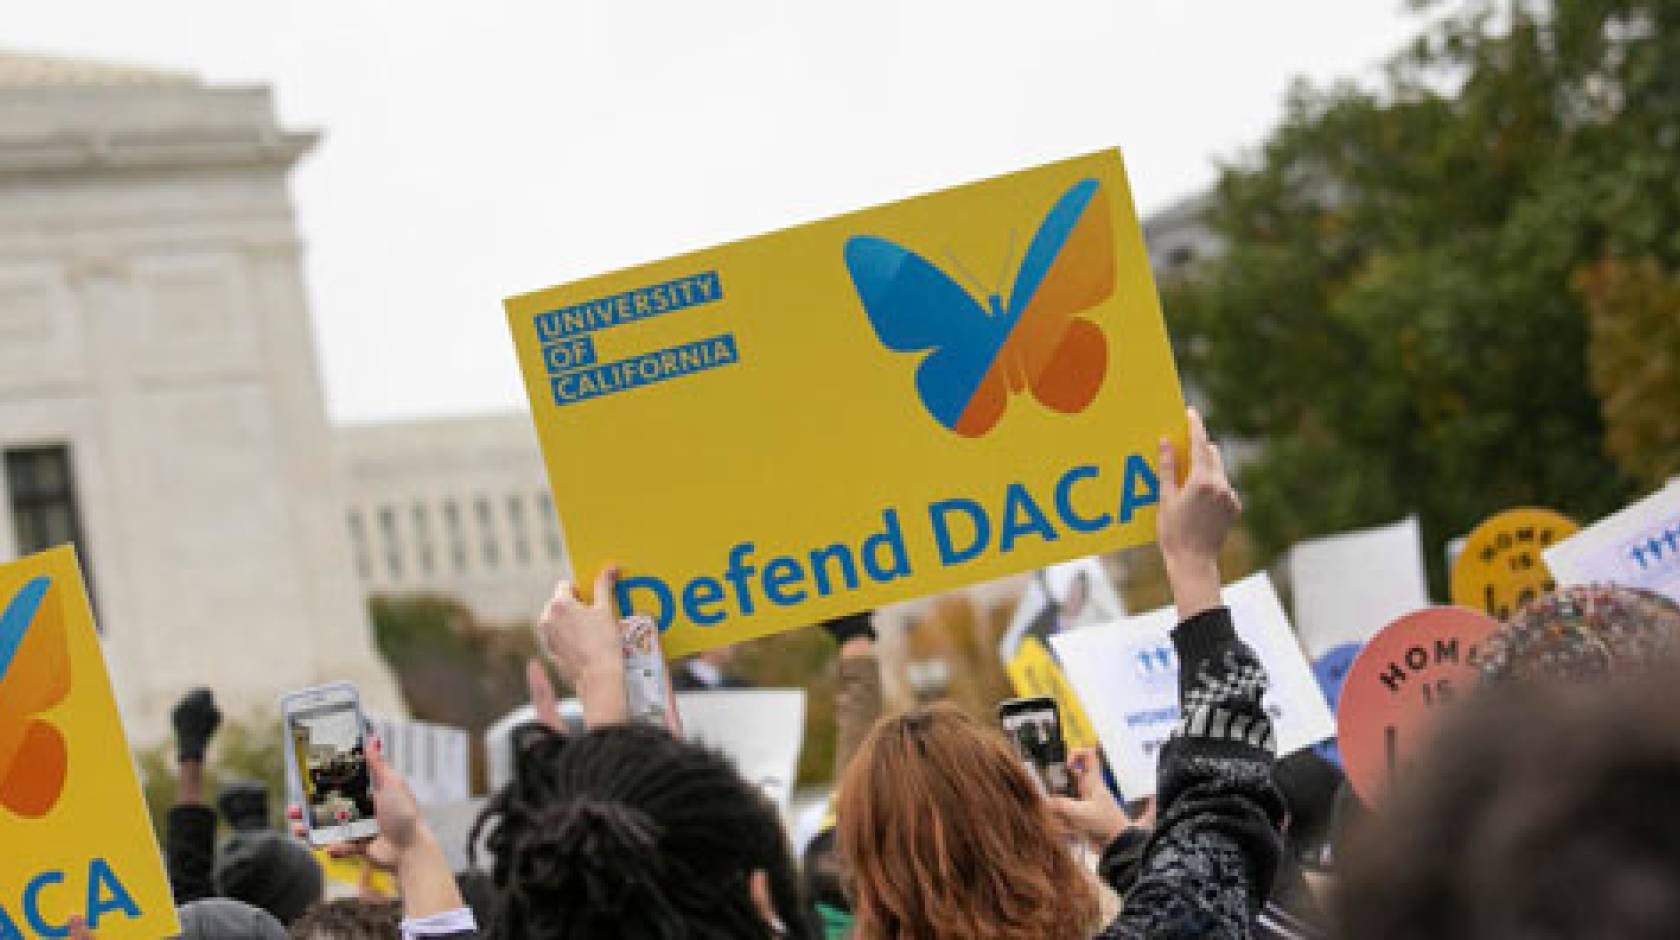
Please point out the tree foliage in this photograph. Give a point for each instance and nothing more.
(1400, 316)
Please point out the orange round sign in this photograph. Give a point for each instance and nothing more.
(1396, 689)
(1500, 568)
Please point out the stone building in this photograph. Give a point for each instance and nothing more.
(159, 399)
(454, 506)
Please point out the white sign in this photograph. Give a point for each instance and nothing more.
(1069, 596)
(1126, 675)
(435, 759)
(1349, 586)
(761, 730)
(1637, 547)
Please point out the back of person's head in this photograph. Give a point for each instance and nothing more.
(269, 870)
(1539, 810)
(349, 919)
(1583, 633)
(629, 832)
(943, 833)
(244, 804)
(228, 919)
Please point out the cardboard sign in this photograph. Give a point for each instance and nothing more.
(74, 828)
(1069, 596)
(857, 411)
(1347, 586)
(1127, 676)
(1637, 547)
(1393, 695)
(1501, 568)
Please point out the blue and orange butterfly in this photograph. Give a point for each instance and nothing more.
(34, 677)
(1033, 339)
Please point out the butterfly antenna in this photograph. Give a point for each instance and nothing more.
(973, 282)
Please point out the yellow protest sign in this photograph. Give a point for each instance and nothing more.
(877, 406)
(76, 836)
(1501, 567)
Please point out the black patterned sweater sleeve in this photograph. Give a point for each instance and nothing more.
(1207, 868)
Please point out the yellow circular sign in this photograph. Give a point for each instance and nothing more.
(1501, 568)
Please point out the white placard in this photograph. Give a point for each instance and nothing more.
(433, 758)
(761, 730)
(1069, 596)
(1349, 586)
(1126, 675)
(1637, 547)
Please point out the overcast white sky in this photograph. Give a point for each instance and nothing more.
(478, 150)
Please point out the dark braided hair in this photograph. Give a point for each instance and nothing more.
(629, 832)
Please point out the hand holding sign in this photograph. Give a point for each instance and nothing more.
(1195, 517)
(583, 640)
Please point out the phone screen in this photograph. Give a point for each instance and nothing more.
(329, 750)
(1034, 730)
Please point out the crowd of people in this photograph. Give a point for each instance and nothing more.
(1540, 809)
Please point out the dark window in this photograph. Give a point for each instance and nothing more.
(423, 538)
(393, 548)
(487, 531)
(456, 535)
(516, 525)
(42, 491)
(359, 545)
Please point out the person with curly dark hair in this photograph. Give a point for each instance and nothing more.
(629, 832)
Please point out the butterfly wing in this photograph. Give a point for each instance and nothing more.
(34, 676)
(1068, 268)
(913, 306)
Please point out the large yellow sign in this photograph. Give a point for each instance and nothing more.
(76, 837)
(869, 408)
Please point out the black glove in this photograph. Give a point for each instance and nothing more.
(196, 720)
(850, 627)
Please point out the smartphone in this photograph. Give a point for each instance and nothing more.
(326, 739)
(1034, 729)
(647, 685)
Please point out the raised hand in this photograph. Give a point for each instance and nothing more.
(1196, 515)
(583, 640)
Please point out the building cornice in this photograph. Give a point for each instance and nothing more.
(82, 152)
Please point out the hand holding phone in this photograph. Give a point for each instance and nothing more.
(327, 763)
(1034, 729)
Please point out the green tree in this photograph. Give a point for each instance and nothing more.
(1399, 316)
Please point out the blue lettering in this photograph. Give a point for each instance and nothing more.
(32, 905)
(848, 567)
(892, 539)
(100, 876)
(1064, 501)
(703, 591)
(8, 927)
(940, 512)
(781, 572)
(1131, 500)
(661, 593)
(1022, 516)
(738, 573)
